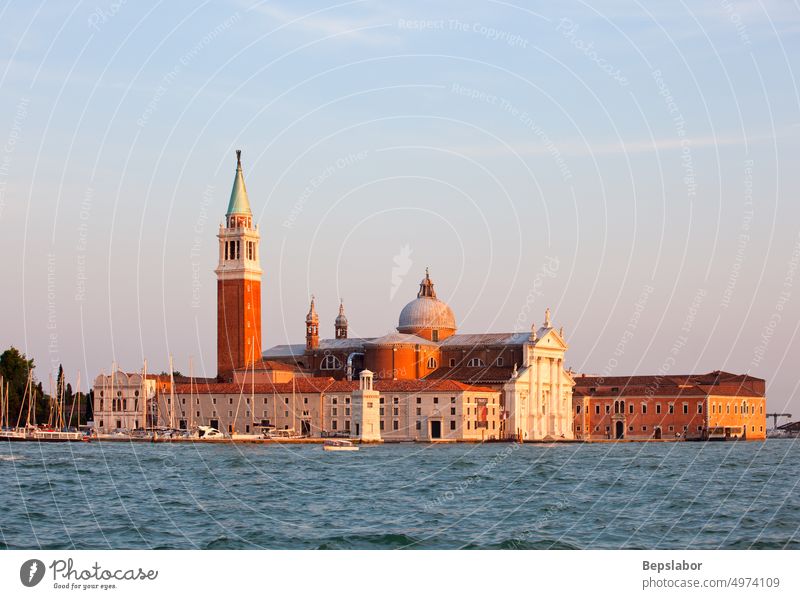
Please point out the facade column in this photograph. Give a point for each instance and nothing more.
(562, 406)
(536, 402)
(553, 398)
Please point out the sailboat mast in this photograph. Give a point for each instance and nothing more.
(143, 393)
(171, 395)
(30, 401)
(253, 392)
(74, 399)
(191, 393)
(113, 399)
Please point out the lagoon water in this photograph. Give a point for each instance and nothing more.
(627, 495)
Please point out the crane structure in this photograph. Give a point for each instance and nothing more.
(775, 417)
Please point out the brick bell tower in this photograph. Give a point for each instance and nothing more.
(238, 283)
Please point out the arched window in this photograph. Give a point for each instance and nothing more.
(475, 362)
(432, 363)
(330, 362)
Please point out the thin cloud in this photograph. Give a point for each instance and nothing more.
(320, 23)
(579, 148)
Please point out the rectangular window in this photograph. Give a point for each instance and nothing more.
(630, 408)
(452, 411)
(435, 400)
(396, 424)
(672, 408)
(597, 409)
(608, 408)
(644, 408)
(419, 425)
(396, 412)
(335, 411)
(452, 400)
(347, 410)
(658, 408)
(419, 411)
(419, 400)
(381, 424)
(381, 410)
(699, 408)
(382, 400)
(347, 425)
(335, 424)
(452, 425)
(578, 409)
(686, 408)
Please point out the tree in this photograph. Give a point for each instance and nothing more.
(14, 367)
(175, 374)
(89, 399)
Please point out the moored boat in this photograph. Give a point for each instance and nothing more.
(339, 445)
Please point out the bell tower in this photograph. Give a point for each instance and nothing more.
(238, 283)
(312, 327)
(341, 322)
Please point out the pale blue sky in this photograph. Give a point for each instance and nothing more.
(611, 139)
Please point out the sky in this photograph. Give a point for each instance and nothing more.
(631, 165)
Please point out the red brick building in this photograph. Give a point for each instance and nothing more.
(717, 405)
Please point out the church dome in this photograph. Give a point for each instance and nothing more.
(426, 311)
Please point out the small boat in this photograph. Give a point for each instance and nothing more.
(207, 432)
(339, 445)
(55, 436)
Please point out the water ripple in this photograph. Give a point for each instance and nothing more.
(684, 495)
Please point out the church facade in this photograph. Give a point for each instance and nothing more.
(426, 381)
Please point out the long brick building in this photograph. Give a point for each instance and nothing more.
(717, 405)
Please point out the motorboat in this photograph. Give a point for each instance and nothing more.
(339, 445)
(207, 432)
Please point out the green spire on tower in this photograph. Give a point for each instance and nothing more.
(239, 203)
